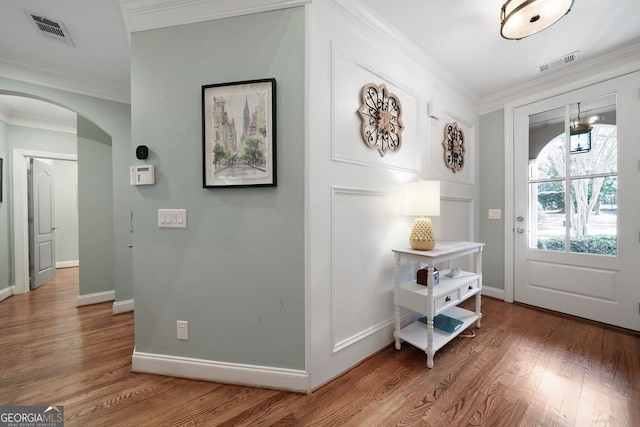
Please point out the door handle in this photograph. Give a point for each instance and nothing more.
(520, 230)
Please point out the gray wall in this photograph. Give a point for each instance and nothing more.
(5, 240)
(28, 138)
(65, 174)
(236, 274)
(115, 119)
(491, 193)
(95, 201)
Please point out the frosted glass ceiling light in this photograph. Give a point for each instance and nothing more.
(522, 18)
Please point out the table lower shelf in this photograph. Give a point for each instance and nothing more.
(416, 333)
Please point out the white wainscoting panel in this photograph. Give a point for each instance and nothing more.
(455, 223)
(365, 228)
(348, 77)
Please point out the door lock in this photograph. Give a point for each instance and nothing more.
(520, 230)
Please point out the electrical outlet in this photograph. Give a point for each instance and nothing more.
(183, 329)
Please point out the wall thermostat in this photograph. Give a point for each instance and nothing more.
(142, 152)
(142, 175)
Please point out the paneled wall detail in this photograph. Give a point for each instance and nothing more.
(438, 168)
(365, 224)
(456, 223)
(349, 74)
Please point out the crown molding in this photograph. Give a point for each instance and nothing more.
(360, 12)
(42, 77)
(142, 15)
(614, 64)
(43, 123)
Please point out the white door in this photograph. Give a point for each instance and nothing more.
(43, 242)
(577, 203)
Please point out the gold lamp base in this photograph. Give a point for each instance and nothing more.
(422, 237)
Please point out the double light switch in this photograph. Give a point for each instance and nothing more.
(172, 218)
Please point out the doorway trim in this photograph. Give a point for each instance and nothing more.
(509, 153)
(20, 213)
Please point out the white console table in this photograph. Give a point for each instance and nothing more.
(431, 300)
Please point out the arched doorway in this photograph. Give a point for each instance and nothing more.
(96, 177)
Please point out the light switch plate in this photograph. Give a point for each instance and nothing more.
(172, 218)
(495, 213)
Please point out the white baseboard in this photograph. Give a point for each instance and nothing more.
(96, 298)
(6, 292)
(493, 292)
(122, 306)
(231, 373)
(67, 264)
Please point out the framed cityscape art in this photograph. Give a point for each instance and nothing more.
(239, 134)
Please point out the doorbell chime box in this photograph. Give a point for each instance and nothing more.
(142, 175)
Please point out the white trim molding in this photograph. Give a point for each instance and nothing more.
(67, 264)
(122, 306)
(488, 291)
(20, 223)
(142, 15)
(96, 298)
(6, 293)
(229, 373)
(613, 64)
(22, 72)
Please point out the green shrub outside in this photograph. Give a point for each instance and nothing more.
(598, 244)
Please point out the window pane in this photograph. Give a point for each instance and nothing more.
(602, 157)
(548, 231)
(593, 134)
(543, 128)
(594, 217)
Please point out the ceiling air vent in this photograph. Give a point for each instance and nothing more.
(565, 60)
(50, 29)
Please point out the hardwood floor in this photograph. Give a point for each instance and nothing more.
(525, 367)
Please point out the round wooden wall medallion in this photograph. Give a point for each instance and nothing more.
(453, 145)
(380, 113)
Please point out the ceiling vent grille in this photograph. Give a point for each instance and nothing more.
(565, 60)
(50, 29)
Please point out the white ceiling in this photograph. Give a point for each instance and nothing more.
(463, 36)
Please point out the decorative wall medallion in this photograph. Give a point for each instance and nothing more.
(381, 118)
(453, 145)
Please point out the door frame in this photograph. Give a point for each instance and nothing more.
(20, 213)
(509, 153)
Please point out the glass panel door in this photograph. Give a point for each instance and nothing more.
(584, 218)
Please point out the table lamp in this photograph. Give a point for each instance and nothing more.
(422, 199)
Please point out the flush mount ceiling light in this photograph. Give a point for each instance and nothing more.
(522, 18)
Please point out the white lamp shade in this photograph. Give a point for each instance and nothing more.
(422, 198)
(522, 18)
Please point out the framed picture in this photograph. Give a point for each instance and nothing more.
(239, 134)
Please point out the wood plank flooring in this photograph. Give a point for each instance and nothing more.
(525, 367)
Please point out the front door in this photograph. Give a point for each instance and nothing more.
(577, 203)
(43, 240)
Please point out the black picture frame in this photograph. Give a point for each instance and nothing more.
(239, 134)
